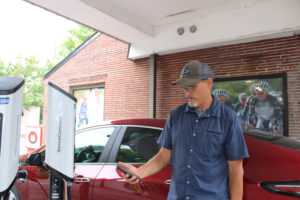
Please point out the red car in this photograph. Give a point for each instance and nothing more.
(271, 172)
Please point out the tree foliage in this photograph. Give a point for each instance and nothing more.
(33, 71)
(75, 37)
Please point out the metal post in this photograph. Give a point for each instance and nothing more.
(152, 100)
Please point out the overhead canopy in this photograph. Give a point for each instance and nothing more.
(169, 26)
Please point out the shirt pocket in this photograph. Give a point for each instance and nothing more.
(211, 143)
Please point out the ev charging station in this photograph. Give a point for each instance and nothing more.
(11, 96)
(60, 141)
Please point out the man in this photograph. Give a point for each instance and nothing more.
(250, 107)
(267, 109)
(222, 96)
(82, 116)
(204, 141)
(239, 107)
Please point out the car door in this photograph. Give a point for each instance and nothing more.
(91, 145)
(135, 145)
(38, 180)
(272, 170)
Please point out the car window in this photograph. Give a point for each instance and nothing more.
(89, 144)
(138, 145)
(43, 154)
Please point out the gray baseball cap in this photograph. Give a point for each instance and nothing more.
(192, 72)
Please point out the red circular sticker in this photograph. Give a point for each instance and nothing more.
(32, 137)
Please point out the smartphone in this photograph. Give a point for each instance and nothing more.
(124, 171)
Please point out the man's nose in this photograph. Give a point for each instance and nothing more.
(187, 92)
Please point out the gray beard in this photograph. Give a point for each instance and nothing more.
(193, 105)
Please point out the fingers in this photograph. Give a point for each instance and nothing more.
(126, 166)
(133, 180)
(132, 175)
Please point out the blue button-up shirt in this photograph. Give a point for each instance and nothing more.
(201, 146)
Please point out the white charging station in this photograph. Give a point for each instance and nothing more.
(60, 139)
(11, 96)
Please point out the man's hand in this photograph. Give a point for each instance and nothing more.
(131, 169)
(154, 165)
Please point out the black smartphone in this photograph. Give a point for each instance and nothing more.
(124, 171)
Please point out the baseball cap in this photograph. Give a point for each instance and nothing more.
(192, 72)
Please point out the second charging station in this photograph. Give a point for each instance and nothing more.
(60, 141)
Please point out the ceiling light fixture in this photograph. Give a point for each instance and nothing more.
(193, 29)
(180, 30)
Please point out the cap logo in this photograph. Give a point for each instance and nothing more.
(186, 71)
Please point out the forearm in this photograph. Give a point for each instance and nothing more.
(154, 165)
(236, 182)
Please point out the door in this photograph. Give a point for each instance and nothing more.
(92, 146)
(136, 145)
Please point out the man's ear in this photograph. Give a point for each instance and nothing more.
(209, 82)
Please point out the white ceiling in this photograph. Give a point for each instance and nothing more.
(151, 26)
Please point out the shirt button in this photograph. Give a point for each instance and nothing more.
(189, 166)
(187, 198)
(187, 182)
(191, 150)
(208, 115)
(197, 121)
(194, 134)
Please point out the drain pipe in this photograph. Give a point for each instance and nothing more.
(152, 100)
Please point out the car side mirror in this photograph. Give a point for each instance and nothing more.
(22, 176)
(35, 159)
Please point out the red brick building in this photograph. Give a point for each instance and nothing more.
(102, 60)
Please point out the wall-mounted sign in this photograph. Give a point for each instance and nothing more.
(33, 137)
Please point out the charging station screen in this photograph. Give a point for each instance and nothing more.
(1, 119)
(4, 100)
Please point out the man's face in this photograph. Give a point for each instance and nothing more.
(243, 101)
(261, 95)
(198, 94)
(222, 99)
(85, 99)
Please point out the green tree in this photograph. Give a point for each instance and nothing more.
(75, 37)
(33, 73)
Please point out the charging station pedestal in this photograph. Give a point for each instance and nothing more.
(11, 96)
(60, 141)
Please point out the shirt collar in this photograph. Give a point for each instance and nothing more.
(213, 110)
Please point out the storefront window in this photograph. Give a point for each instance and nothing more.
(90, 105)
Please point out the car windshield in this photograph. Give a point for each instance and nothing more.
(288, 142)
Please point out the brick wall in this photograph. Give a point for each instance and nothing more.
(256, 58)
(104, 60)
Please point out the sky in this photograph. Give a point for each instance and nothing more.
(29, 30)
